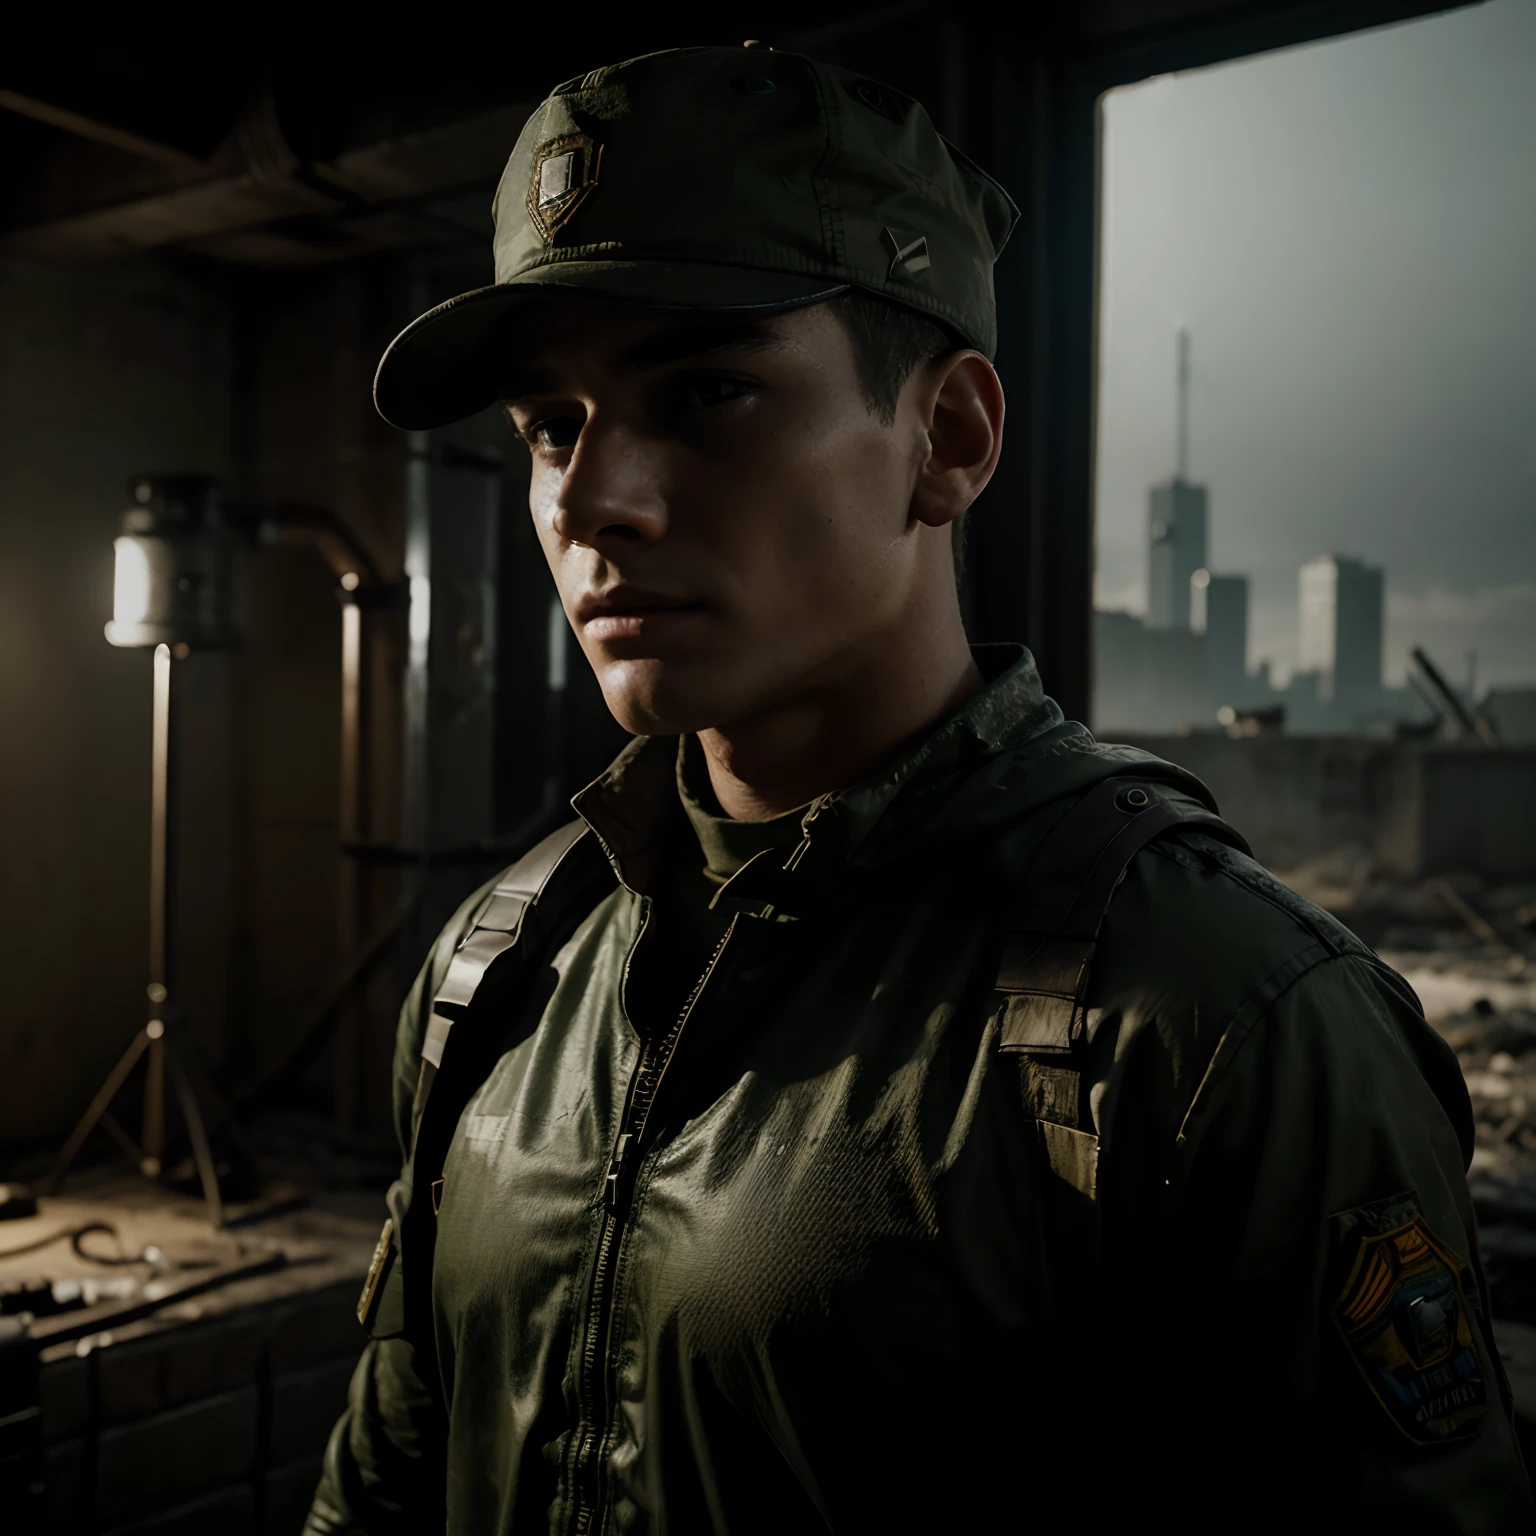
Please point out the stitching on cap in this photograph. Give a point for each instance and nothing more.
(821, 182)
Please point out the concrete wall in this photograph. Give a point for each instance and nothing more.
(1292, 797)
(1420, 810)
(1455, 808)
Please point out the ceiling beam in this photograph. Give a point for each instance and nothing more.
(97, 132)
(230, 197)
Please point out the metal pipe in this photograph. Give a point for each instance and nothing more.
(1478, 728)
(350, 809)
(415, 829)
(319, 528)
(346, 1085)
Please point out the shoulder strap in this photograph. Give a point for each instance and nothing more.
(533, 908)
(1049, 935)
(1050, 931)
(534, 894)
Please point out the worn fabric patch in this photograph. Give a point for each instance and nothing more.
(564, 172)
(1403, 1317)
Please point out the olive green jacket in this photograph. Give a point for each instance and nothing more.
(869, 1271)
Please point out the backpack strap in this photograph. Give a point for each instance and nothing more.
(1049, 936)
(1049, 933)
(530, 894)
(533, 908)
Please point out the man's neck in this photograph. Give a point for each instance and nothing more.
(835, 732)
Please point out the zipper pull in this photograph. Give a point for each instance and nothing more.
(613, 1184)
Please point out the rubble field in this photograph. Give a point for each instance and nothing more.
(1468, 948)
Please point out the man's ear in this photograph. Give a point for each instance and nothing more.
(960, 398)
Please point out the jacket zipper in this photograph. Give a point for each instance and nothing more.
(593, 1395)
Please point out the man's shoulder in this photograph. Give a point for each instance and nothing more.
(1205, 954)
(1191, 906)
(1232, 889)
(1197, 918)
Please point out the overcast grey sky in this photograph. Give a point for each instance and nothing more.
(1349, 232)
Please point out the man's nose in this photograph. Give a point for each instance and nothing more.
(611, 490)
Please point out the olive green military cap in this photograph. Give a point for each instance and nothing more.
(721, 179)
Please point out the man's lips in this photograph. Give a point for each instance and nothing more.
(627, 612)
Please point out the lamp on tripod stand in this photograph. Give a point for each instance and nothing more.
(173, 593)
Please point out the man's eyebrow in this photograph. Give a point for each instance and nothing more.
(524, 382)
(717, 334)
(673, 345)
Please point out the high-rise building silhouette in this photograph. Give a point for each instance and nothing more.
(1341, 630)
(1219, 610)
(1176, 526)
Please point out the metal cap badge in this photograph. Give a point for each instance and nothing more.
(713, 178)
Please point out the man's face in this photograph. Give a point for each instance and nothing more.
(728, 523)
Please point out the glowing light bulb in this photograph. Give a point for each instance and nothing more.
(130, 586)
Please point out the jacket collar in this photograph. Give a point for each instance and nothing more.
(633, 805)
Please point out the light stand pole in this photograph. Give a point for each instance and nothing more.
(173, 591)
(154, 1038)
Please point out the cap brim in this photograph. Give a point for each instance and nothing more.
(452, 361)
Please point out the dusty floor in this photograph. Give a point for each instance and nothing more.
(151, 1250)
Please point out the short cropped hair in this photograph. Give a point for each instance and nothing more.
(889, 343)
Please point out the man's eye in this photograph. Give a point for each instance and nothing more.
(554, 433)
(711, 389)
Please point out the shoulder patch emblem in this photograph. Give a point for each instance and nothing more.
(564, 172)
(1403, 1317)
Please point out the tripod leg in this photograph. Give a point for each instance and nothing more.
(154, 1103)
(131, 1149)
(98, 1106)
(201, 1151)
(220, 1116)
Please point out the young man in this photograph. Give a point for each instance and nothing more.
(885, 1106)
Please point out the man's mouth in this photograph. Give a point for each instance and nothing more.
(626, 613)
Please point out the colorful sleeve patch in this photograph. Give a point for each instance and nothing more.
(1403, 1317)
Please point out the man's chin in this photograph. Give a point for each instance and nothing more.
(652, 697)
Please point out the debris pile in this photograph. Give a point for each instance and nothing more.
(1497, 1051)
(1469, 951)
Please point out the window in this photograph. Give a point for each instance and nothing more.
(1317, 383)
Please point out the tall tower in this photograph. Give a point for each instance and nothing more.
(1181, 462)
(1341, 629)
(1176, 524)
